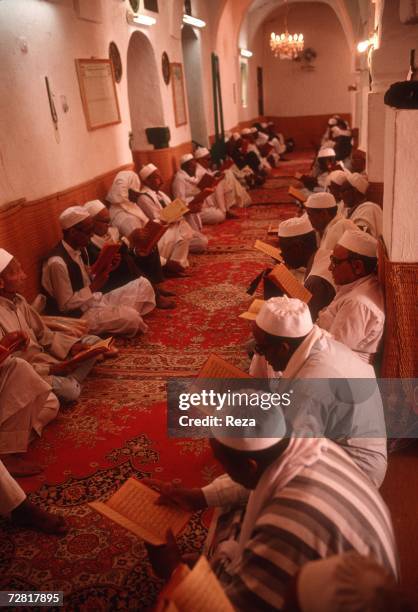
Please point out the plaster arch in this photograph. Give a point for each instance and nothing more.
(144, 94)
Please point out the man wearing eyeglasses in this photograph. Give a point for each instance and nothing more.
(72, 288)
(356, 315)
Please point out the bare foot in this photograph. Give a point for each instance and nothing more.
(29, 516)
(19, 467)
(164, 303)
(164, 292)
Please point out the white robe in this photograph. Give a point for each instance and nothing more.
(214, 206)
(26, 405)
(235, 193)
(105, 313)
(11, 493)
(356, 316)
(45, 346)
(334, 231)
(369, 218)
(185, 188)
(174, 244)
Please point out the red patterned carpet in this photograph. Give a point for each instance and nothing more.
(118, 429)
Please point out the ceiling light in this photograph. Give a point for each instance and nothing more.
(245, 53)
(193, 21)
(140, 19)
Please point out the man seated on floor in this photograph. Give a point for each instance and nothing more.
(22, 513)
(73, 291)
(324, 164)
(368, 216)
(185, 187)
(334, 182)
(248, 163)
(48, 352)
(322, 210)
(175, 243)
(131, 266)
(298, 350)
(27, 405)
(249, 136)
(231, 191)
(356, 316)
(283, 501)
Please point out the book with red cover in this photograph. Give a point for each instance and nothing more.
(153, 232)
(104, 261)
(207, 180)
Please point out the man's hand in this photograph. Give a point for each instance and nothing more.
(15, 341)
(171, 495)
(164, 559)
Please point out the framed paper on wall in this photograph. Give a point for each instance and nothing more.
(98, 92)
(179, 99)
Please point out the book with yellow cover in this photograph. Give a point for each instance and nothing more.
(284, 279)
(151, 233)
(93, 350)
(297, 194)
(174, 211)
(133, 507)
(273, 229)
(253, 310)
(268, 249)
(194, 590)
(216, 367)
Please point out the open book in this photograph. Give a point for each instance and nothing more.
(206, 181)
(93, 350)
(133, 507)
(273, 229)
(284, 279)
(268, 249)
(151, 233)
(194, 590)
(216, 367)
(253, 310)
(106, 256)
(297, 194)
(174, 211)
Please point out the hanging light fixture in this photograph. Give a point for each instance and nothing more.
(285, 45)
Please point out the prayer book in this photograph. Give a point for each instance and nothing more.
(105, 259)
(273, 229)
(297, 194)
(298, 175)
(207, 181)
(194, 590)
(253, 310)
(174, 211)
(268, 249)
(151, 233)
(284, 279)
(216, 367)
(93, 350)
(134, 507)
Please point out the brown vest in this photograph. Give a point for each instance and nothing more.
(76, 280)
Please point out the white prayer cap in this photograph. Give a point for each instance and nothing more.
(297, 226)
(348, 582)
(201, 152)
(269, 423)
(185, 158)
(246, 131)
(358, 181)
(73, 215)
(5, 259)
(253, 130)
(285, 317)
(321, 200)
(339, 177)
(263, 137)
(146, 171)
(359, 242)
(264, 125)
(94, 207)
(326, 152)
(236, 136)
(332, 121)
(337, 131)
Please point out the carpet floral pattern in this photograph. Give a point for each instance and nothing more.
(118, 429)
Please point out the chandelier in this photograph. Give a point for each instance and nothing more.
(285, 45)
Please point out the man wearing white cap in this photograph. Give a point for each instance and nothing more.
(368, 216)
(131, 266)
(249, 136)
(214, 207)
(322, 210)
(22, 513)
(333, 184)
(46, 351)
(185, 187)
(71, 290)
(282, 502)
(276, 139)
(125, 215)
(324, 164)
(356, 316)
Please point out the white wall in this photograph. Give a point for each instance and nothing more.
(290, 91)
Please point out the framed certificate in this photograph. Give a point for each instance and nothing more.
(98, 92)
(179, 99)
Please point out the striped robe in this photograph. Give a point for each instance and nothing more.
(328, 508)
